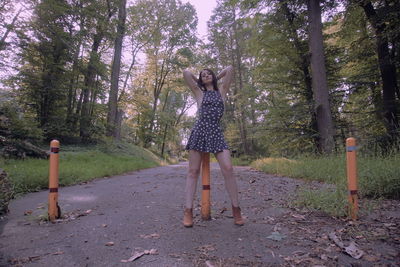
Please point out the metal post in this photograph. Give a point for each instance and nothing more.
(205, 195)
(54, 210)
(352, 176)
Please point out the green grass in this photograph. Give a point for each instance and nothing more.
(79, 164)
(333, 202)
(377, 178)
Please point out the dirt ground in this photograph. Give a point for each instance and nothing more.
(136, 220)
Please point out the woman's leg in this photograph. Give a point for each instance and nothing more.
(192, 177)
(224, 160)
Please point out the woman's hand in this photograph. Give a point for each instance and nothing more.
(224, 72)
(191, 81)
(227, 74)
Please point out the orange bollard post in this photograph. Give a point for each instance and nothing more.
(54, 210)
(352, 176)
(205, 195)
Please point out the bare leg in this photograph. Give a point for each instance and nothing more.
(192, 177)
(224, 160)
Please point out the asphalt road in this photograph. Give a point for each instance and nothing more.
(110, 219)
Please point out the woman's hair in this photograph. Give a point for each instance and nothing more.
(214, 80)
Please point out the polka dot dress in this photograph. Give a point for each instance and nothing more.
(206, 135)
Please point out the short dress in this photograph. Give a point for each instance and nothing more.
(207, 135)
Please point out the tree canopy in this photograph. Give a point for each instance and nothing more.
(308, 74)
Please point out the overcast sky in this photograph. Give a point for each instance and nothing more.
(204, 10)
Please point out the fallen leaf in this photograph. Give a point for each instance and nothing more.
(206, 248)
(152, 251)
(27, 212)
(351, 249)
(276, 236)
(370, 258)
(104, 225)
(209, 264)
(88, 211)
(389, 224)
(299, 216)
(138, 254)
(155, 235)
(110, 244)
(135, 256)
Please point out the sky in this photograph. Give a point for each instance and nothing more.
(204, 10)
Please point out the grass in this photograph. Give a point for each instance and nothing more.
(240, 161)
(78, 165)
(377, 178)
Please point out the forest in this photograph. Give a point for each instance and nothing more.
(307, 74)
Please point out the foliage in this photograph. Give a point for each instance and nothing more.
(377, 177)
(333, 202)
(15, 124)
(79, 164)
(58, 54)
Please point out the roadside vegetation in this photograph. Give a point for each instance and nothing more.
(79, 164)
(378, 177)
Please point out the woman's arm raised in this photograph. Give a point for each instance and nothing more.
(227, 74)
(191, 81)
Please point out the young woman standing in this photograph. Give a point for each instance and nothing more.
(207, 137)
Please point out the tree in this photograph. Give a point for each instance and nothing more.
(102, 15)
(320, 87)
(175, 26)
(228, 33)
(112, 117)
(386, 67)
(42, 75)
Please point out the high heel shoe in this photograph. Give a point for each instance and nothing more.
(188, 218)
(237, 216)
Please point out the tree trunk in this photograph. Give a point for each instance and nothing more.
(72, 89)
(159, 84)
(164, 139)
(89, 82)
(387, 70)
(304, 67)
(9, 28)
(115, 70)
(242, 123)
(120, 115)
(319, 82)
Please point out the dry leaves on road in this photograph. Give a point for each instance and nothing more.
(155, 236)
(137, 254)
(351, 249)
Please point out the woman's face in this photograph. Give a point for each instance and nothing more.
(206, 77)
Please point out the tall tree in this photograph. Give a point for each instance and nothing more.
(175, 26)
(44, 64)
(386, 67)
(102, 15)
(9, 27)
(228, 33)
(112, 117)
(319, 81)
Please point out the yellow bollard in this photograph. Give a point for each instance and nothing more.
(54, 210)
(352, 176)
(205, 195)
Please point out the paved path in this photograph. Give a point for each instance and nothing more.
(108, 220)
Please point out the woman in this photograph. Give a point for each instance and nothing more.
(207, 136)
